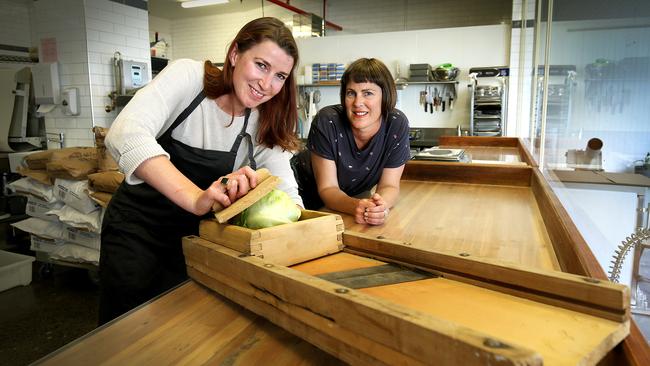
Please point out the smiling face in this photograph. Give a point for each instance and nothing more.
(259, 73)
(363, 106)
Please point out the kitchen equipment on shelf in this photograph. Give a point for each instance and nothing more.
(488, 100)
(400, 81)
(561, 88)
(437, 153)
(445, 72)
(420, 72)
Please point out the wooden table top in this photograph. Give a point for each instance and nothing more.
(491, 154)
(488, 155)
(190, 325)
(500, 222)
(534, 325)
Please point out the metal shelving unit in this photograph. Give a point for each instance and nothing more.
(488, 102)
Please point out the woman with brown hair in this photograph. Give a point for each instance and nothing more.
(192, 137)
(355, 146)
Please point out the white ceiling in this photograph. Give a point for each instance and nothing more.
(171, 9)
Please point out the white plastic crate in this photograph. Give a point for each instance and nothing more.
(15, 270)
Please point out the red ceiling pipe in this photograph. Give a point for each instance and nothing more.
(300, 11)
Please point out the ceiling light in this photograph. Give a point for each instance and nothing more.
(196, 3)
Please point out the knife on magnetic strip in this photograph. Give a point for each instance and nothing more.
(265, 184)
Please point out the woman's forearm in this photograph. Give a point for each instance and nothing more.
(162, 175)
(337, 200)
(390, 194)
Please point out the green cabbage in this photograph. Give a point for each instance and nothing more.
(275, 208)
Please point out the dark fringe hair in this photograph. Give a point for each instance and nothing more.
(371, 70)
(278, 116)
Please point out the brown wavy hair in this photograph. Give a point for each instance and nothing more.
(371, 70)
(278, 116)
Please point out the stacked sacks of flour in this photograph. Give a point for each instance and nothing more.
(65, 221)
(105, 182)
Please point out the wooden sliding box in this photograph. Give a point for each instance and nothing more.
(466, 312)
(314, 235)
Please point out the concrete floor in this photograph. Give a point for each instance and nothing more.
(52, 311)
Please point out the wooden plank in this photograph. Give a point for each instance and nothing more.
(500, 222)
(261, 175)
(316, 234)
(571, 249)
(359, 351)
(560, 336)
(579, 176)
(525, 155)
(254, 195)
(574, 256)
(479, 141)
(190, 326)
(540, 326)
(489, 155)
(599, 298)
(335, 263)
(627, 179)
(235, 237)
(496, 174)
(403, 330)
(635, 349)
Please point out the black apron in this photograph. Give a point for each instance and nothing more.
(141, 251)
(304, 174)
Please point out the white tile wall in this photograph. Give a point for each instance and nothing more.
(209, 37)
(112, 27)
(87, 34)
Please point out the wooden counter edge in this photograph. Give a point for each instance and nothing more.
(575, 256)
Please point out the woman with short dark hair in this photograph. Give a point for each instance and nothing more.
(356, 145)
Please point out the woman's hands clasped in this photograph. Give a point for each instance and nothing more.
(226, 190)
(371, 211)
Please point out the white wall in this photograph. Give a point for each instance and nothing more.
(112, 27)
(164, 29)
(207, 38)
(489, 46)
(87, 33)
(522, 41)
(15, 23)
(63, 20)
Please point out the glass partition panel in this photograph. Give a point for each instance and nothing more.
(537, 95)
(592, 125)
(598, 85)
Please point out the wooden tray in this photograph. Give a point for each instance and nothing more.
(532, 317)
(315, 234)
